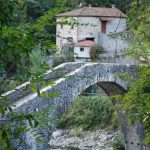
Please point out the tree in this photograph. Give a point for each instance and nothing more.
(136, 101)
(120, 4)
(37, 8)
(16, 44)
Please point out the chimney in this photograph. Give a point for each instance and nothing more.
(113, 6)
(90, 5)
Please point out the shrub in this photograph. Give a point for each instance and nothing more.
(76, 132)
(95, 51)
(118, 143)
(88, 112)
(38, 64)
(57, 61)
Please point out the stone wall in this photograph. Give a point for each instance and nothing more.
(88, 27)
(116, 25)
(114, 49)
(111, 45)
(66, 31)
(92, 26)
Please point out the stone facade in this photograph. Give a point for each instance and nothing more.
(63, 32)
(91, 26)
(88, 27)
(116, 25)
(72, 85)
(114, 49)
(112, 45)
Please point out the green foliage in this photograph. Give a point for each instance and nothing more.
(76, 132)
(15, 48)
(6, 12)
(137, 100)
(139, 25)
(58, 61)
(118, 143)
(14, 43)
(68, 53)
(37, 8)
(90, 111)
(44, 30)
(17, 41)
(4, 139)
(122, 5)
(38, 64)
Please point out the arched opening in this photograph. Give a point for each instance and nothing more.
(82, 102)
(112, 88)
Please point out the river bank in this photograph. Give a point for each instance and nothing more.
(76, 139)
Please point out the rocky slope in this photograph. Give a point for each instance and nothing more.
(82, 140)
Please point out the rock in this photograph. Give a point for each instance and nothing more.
(57, 133)
(91, 140)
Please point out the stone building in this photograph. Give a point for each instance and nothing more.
(86, 24)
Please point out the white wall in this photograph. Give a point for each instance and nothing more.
(82, 54)
(65, 32)
(90, 30)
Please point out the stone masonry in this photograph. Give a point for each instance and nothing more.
(69, 87)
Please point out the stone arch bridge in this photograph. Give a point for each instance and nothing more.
(71, 79)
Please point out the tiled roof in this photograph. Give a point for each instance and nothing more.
(93, 11)
(86, 43)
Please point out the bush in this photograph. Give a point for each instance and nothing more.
(95, 51)
(76, 132)
(58, 60)
(88, 112)
(118, 143)
(38, 64)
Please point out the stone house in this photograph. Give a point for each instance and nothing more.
(90, 23)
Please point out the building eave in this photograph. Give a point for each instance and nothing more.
(90, 16)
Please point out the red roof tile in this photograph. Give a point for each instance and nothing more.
(94, 12)
(86, 43)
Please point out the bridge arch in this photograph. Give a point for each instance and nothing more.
(107, 78)
(73, 84)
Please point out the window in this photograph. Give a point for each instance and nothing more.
(70, 39)
(103, 28)
(82, 49)
(61, 26)
(91, 39)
